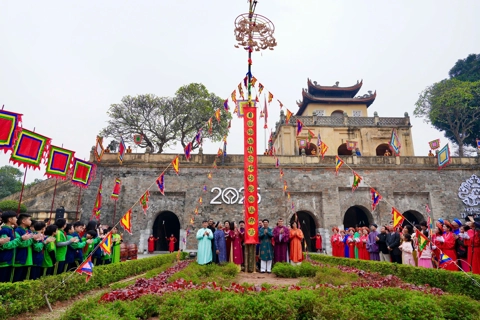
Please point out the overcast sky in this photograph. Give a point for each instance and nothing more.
(62, 63)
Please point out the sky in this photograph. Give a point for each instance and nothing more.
(63, 63)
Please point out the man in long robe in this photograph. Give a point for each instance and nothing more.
(220, 244)
(281, 237)
(204, 237)
(372, 245)
(266, 249)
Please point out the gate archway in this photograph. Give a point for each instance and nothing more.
(413, 216)
(357, 216)
(309, 228)
(166, 223)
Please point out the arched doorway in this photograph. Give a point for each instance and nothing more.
(413, 216)
(165, 224)
(382, 148)
(310, 150)
(308, 226)
(343, 150)
(337, 113)
(357, 216)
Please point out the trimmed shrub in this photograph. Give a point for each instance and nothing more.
(27, 296)
(453, 282)
(286, 270)
(321, 303)
(12, 205)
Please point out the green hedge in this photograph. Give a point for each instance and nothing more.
(453, 282)
(321, 303)
(12, 205)
(27, 296)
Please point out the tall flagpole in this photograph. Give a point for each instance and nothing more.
(252, 32)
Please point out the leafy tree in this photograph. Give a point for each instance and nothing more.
(165, 121)
(467, 69)
(10, 181)
(450, 106)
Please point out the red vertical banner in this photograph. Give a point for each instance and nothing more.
(250, 175)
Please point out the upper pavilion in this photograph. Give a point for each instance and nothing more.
(339, 115)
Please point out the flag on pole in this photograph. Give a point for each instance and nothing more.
(270, 97)
(86, 267)
(338, 163)
(225, 105)
(265, 112)
(97, 208)
(260, 88)
(254, 80)
(210, 126)
(323, 149)
(106, 244)
(397, 218)
(427, 208)
(299, 126)
(422, 240)
(280, 103)
(188, 151)
(310, 136)
(176, 165)
(376, 198)
(144, 201)
(122, 149)
(319, 140)
(198, 137)
(217, 115)
(356, 181)
(240, 91)
(277, 163)
(117, 187)
(161, 183)
(234, 97)
(126, 221)
(288, 116)
(99, 150)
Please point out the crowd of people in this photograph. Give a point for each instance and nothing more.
(452, 245)
(224, 242)
(31, 249)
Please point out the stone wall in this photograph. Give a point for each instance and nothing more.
(408, 183)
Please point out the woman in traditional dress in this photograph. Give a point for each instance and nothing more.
(437, 239)
(341, 244)
(296, 237)
(237, 253)
(448, 247)
(228, 240)
(351, 243)
(334, 241)
(362, 245)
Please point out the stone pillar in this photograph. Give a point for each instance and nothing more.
(345, 118)
(325, 240)
(182, 245)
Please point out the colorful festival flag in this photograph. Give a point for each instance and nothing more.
(99, 150)
(229, 124)
(397, 218)
(30, 149)
(395, 143)
(265, 112)
(351, 145)
(376, 198)
(106, 244)
(192, 221)
(196, 210)
(83, 171)
(421, 240)
(338, 163)
(240, 91)
(86, 267)
(281, 173)
(210, 126)
(299, 126)
(323, 149)
(59, 163)
(444, 259)
(277, 163)
(137, 139)
(285, 187)
(200, 200)
(144, 201)
(434, 144)
(97, 208)
(245, 81)
(280, 103)
(117, 187)
(256, 99)
(9, 129)
(198, 137)
(122, 149)
(356, 181)
(310, 135)
(204, 188)
(270, 97)
(443, 157)
(126, 221)
(288, 116)
(319, 140)
(217, 115)
(176, 165)
(254, 80)
(288, 195)
(234, 97)
(188, 151)
(161, 183)
(225, 105)
(209, 175)
(260, 88)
